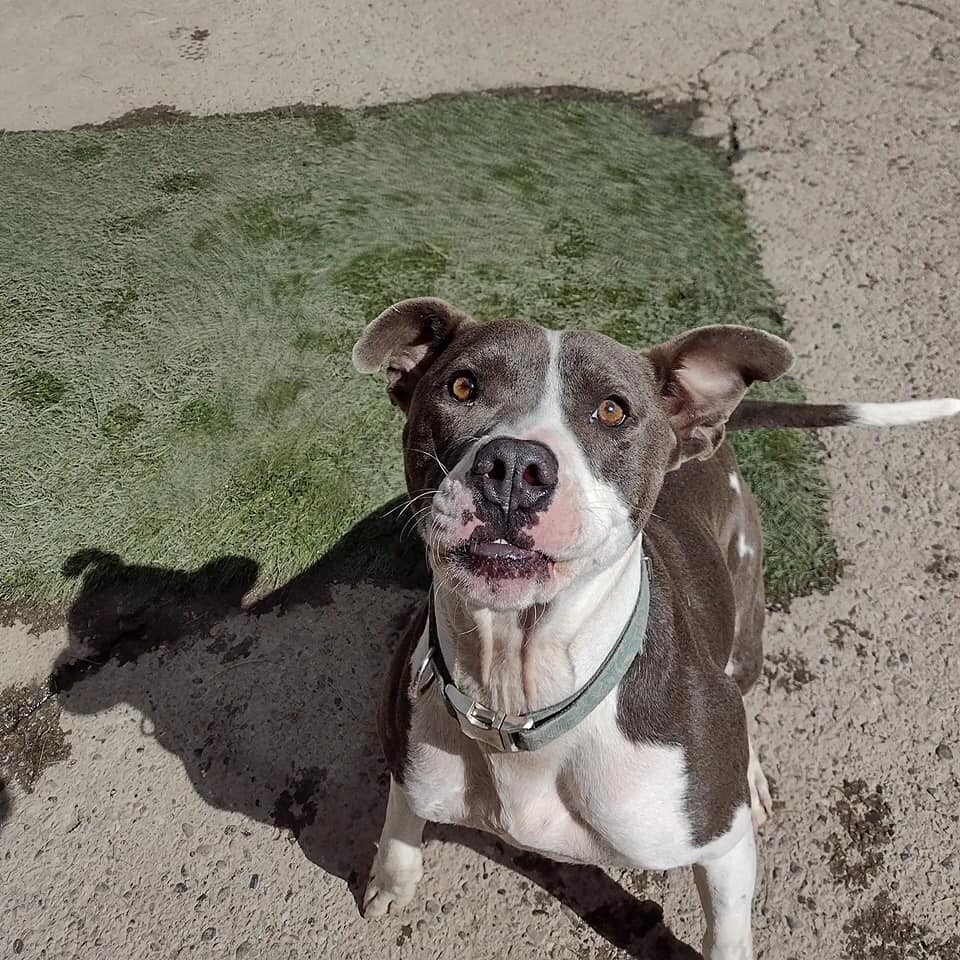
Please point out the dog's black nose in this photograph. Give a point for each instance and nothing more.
(515, 474)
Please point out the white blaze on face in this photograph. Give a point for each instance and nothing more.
(587, 518)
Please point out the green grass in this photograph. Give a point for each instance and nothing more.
(178, 304)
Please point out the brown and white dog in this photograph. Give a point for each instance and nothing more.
(543, 471)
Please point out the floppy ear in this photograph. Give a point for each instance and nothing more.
(703, 375)
(407, 338)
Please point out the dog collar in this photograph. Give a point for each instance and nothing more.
(511, 733)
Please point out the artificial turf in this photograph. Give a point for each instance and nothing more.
(178, 303)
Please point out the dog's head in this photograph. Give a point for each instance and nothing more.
(533, 458)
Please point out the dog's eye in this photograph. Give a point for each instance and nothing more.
(611, 412)
(463, 386)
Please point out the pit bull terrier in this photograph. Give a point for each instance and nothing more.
(575, 681)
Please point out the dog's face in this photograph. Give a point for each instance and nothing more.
(533, 458)
(551, 452)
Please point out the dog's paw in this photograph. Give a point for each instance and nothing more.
(761, 803)
(392, 884)
(379, 901)
(733, 951)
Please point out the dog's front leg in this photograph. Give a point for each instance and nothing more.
(398, 865)
(725, 885)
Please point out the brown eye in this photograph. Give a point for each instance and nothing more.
(463, 387)
(611, 412)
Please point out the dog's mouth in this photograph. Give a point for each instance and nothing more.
(501, 559)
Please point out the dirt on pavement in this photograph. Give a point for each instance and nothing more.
(216, 788)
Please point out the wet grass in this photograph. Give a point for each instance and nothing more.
(179, 301)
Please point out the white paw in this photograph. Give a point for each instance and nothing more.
(730, 951)
(761, 803)
(386, 894)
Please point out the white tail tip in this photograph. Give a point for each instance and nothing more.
(908, 411)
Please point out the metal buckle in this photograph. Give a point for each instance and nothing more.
(481, 723)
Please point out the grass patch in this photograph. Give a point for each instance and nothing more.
(178, 304)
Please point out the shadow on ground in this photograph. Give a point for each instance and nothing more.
(272, 709)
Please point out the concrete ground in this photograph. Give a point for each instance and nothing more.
(218, 793)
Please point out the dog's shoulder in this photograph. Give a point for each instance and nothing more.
(393, 716)
(701, 503)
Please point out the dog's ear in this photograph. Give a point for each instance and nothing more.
(703, 375)
(407, 338)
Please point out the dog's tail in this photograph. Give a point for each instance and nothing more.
(767, 415)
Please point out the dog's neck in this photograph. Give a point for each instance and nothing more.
(516, 662)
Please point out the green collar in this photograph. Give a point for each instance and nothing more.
(533, 730)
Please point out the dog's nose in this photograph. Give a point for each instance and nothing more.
(515, 474)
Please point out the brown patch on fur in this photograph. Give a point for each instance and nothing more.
(866, 819)
(881, 932)
(30, 735)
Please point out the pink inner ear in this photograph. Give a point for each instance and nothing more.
(413, 355)
(406, 359)
(402, 363)
(707, 379)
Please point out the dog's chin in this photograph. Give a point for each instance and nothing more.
(499, 575)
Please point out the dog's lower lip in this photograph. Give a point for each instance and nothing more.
(499, 549)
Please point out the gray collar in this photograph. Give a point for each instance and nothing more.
(531, 731)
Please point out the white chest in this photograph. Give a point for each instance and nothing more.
(591, 796)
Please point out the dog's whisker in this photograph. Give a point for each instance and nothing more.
(435, 542)
(464, 439)
(433, 457)
(408, 502)
(436, 456)
(417, 514)
(414, 518)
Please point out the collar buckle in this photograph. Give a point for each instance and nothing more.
(479, 722)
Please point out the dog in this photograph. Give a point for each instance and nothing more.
(574, 683)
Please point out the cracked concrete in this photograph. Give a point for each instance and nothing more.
(187, 778)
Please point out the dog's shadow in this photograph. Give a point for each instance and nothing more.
(272, 709)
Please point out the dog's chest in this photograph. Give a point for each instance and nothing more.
(592, 796)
